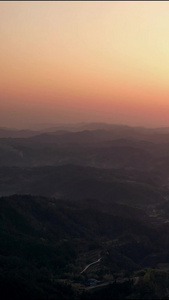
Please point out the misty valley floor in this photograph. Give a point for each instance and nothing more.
(84, 213)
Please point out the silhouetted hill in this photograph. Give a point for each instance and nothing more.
(16, 133)
(44, 240)
(56, 150)
(84, 204)
(106, 134)
(75, 182)
(104, 126)
(122, 147)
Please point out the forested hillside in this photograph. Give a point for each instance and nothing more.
(84, 214)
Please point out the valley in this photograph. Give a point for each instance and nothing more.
(84, 213)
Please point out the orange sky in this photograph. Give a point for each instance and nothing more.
(75, 61)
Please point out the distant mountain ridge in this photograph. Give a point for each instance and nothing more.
(16, 133)
(79, 127)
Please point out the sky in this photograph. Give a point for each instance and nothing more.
(84, 61)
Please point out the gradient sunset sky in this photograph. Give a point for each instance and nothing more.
(84, 61)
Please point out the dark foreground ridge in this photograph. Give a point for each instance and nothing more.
(84, 213)
(46, 243)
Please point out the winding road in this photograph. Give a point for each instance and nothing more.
(93, 263)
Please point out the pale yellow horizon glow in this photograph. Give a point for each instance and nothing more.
(73, 61)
